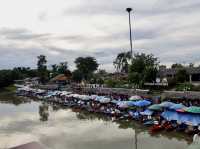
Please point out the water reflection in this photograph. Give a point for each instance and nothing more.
(130, 124)
(44, 112)
(61, 128)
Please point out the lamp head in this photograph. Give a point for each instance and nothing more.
(129, 9)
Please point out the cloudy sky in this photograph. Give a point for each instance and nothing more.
(65, 29)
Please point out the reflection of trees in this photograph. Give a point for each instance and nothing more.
(44, 112)
(55, 107)
(131, 124)
(83, 114)
(9, 97)
(174, 135)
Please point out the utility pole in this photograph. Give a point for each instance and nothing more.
(131, 44)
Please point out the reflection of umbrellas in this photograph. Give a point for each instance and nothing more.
(155, 107)
(166, 104)
(193, 109)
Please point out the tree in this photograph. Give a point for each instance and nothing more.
(77, 76)
(54, 68)
(86, 65)
(121, 62)
(191, 65)
(102, 72)
(181, 75)
(177, 66)
(42, 68)
(62, 67)
(143, 68)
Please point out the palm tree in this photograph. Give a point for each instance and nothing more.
(121, 62)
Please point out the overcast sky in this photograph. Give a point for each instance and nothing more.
(65, 29)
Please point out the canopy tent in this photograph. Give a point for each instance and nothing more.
(136, 97)
(147, 112)
(155, 107)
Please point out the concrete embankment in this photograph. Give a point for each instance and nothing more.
(181, 94)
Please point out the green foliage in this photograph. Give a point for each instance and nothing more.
(143, 68)
(121, 62)
(195, 88)
(112, 83)
(182, 75)
(135, 78)
(184, 87)
(77, 76)
(62, 67)
(86, 65)
(172, 82)
(7, 77)
(175, 66)
(42, 68)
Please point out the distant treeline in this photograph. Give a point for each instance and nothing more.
(7, 77)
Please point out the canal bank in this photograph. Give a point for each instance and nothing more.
(69, 128)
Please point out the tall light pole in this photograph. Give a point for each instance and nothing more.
(131, 44)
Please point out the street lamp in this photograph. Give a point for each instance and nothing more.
(129, 12)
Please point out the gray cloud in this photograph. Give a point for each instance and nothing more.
(169, 29)
(19, 34)
(142, 7)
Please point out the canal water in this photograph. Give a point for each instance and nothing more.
(23, 120)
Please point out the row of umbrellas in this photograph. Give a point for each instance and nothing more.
(187, 118)
(175, 107)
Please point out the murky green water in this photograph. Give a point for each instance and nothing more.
(61, 128)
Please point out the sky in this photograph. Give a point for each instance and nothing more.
(64, 30)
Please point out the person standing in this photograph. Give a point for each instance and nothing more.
(196, 138)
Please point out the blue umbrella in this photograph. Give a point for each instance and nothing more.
(114, 101)
(171, 115)
(146, 112)
(177, 106)
(142, 103)
(131, 103)
(166, 104)
(187, 118)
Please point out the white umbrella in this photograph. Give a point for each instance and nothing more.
(136, 97)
